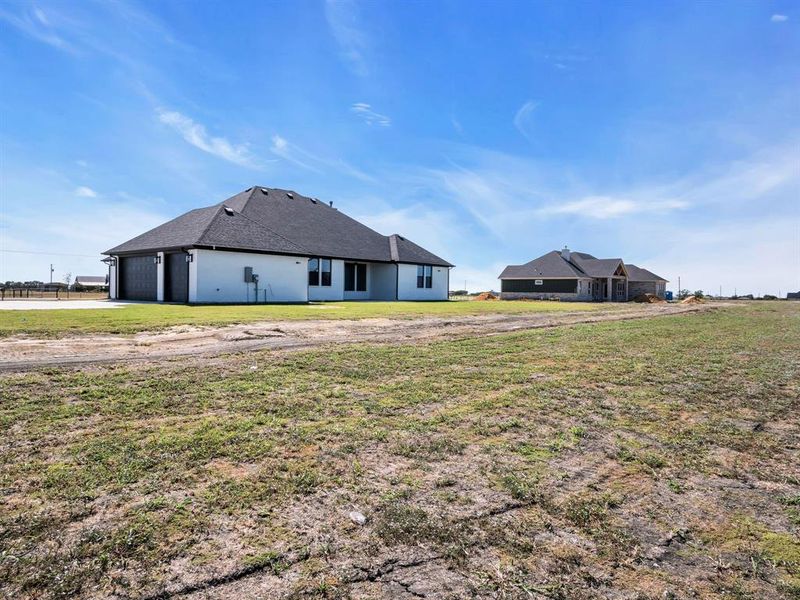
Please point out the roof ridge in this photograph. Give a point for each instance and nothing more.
(260, 224)
(394, 254)
(220, 206)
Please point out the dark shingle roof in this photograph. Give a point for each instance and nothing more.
(279, 221)
(549, 265)
(638, 274)
(580, 264)
(597, 267)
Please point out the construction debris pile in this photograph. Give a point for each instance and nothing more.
(648, 299)
(486, 296)
(691, 300)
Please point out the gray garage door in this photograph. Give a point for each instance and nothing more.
(137, 275)
(176, 278)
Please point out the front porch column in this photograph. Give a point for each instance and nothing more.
(609, 294)
(626, 290)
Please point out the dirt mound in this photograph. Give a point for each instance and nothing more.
(691, 300)
(648, 299)
(486, 296)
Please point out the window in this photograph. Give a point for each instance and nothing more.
(326, 271)
(620, 288)
(355, 277)
(313, 271)
(319, 271)
(424, 276)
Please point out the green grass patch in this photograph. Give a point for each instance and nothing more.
(134, 318)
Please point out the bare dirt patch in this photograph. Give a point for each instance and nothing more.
(26, 352)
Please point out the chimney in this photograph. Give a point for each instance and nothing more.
(565, 253)
(331, 203)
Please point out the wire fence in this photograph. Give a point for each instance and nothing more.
(23, 293)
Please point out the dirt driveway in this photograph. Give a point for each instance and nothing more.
(24, 352)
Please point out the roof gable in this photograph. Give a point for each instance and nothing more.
(279, 221)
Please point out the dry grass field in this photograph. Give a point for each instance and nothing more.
(651, 458)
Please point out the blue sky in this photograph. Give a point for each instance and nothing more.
(490, 132)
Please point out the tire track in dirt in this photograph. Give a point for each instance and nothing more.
(23, 353)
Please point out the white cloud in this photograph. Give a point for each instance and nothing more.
(734, 255)
(197, 136)
(85, 192)
(35, 24)
(73, 251)
(306, 160)
(608, 207)
(82, 163)
(522, 120)
(344, 22)
(293, 154)
(369, 116)
(457, 126)
(778, 18)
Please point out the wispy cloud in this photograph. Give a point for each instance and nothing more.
(85, 192)
(457, 126)
(522, 120)
(295, 155)
(34, 22)
(565, 61)
(608, 207)
(197, 136)
(369, 116)
(344, 21)
(776, 18)
(312, 162)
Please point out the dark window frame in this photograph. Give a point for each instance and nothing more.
(320, 276)
(355, 277)
(313, 273)
(424, 276)
(326, 275)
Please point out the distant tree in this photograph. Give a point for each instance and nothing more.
(769, 297)
(459, 293)
(698, 293)
(68, 279)
(683, 294)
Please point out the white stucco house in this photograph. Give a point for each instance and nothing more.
(270, 245)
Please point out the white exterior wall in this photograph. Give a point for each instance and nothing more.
(407, 284)
(112, 278)
(217, 276)
(332, 292)
(193, 275)
(160, 278)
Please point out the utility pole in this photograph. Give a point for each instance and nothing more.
(679, 287)
(720, 291)
(51, 272)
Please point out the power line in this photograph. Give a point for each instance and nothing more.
(50, 253)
